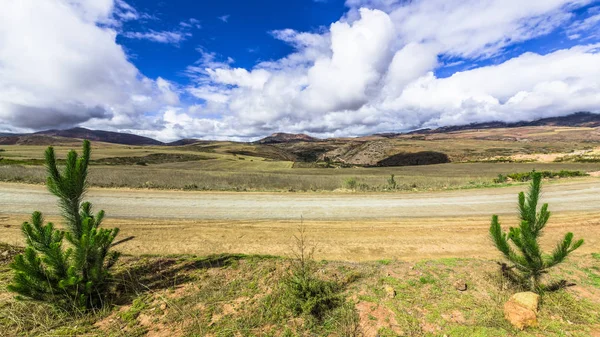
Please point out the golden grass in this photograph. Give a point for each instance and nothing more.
(349, 240)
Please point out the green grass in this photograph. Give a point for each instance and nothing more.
(227, 295)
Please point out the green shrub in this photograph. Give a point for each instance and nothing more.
(76, 277)
(391, 182)
(520, 245)
(305, 292)
(500, 179)
(350, 183)
(527, 176)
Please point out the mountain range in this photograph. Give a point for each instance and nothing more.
(579, 119)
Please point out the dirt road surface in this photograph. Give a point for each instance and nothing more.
(345, 226)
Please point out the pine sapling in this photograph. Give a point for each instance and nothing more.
(520, 246)
(76, 276)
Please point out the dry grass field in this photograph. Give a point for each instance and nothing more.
(346, 226)
(227, 166)
(207, 260)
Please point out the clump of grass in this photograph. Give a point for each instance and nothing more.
(350, 183)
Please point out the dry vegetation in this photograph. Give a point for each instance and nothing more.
(174, 168)
(239, 295)
(403, 284)
(477, 157)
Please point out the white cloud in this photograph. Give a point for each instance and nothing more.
(191, 23)
(68, 70)
(224, 18)
(588, 26)
(524, 88)
(372, 71)
(172, 37)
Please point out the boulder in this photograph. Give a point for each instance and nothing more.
(521, 310)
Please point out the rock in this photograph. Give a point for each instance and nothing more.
(389, 291)
(460, 285)
(521, 310)
(5, 253)
(163, 306)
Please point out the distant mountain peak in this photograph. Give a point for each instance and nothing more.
(577, 119)
(101, 136)
(282, 137)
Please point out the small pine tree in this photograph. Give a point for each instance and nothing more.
(306, 292)
(78, 276)
(525, 253)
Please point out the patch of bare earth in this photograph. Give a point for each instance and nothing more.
(594, 174)
(374, 317)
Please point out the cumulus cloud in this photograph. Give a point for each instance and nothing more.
(374, 70)
(69, 69)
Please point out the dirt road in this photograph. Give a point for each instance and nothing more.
(345, 226)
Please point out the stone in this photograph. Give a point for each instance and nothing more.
(460, 285)
(529, 300)
(521, 310)
(389, 291)
(163, 306)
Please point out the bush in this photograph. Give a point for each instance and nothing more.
(501, 179)
(392, 182)
(350, 183)
(305, 292)
(520, 245)
(527, 176)
(76, 277)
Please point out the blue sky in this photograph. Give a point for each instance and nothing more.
(245, 36)
(234, 69)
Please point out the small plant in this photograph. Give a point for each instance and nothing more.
(350, 183)
(306, 292)
(520, 245)
(501, 179)
(76, 277)
(391, 182)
